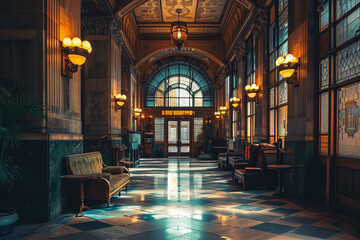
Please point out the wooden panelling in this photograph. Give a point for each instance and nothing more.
(324, 44)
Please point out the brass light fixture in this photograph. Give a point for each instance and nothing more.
(223, 110)
(119, 101)
(75, 53)
(235, 103)
(287, 68)
(137, 112)
(179, 31)
(217, 115)
(252, 92)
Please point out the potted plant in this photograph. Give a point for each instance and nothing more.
(204, 143)
(14, 107)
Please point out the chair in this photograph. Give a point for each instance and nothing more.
(259, 175)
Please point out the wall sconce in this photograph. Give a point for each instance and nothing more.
(235, 103)
(223, 110)
(137, 112)
(119, 101)
(217, 115)
(287, 68)
(75, 53)
(252, 92)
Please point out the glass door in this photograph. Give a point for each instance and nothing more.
(178, 138)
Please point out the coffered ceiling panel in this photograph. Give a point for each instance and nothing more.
(193, 11)
(188, 8)
(150, 11)
(210, 10)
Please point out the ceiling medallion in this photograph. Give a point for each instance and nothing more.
(179, 31)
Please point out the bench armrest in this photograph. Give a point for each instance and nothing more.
(252, 169)
(115, 169)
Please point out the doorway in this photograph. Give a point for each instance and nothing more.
(179, 137)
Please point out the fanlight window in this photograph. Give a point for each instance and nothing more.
(178, 84)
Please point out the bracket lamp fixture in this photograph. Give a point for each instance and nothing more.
(179, 31)
(223, 110)
(137, 113)
(287, 67)
(119, 101)
(75, 53)
(235, 103)
(252, 91)
(217, 115)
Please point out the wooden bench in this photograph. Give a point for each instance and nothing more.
(109, 180)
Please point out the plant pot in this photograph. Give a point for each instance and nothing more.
(8, 217)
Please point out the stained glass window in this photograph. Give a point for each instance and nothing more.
(324, 112)
(324, 16)
(343, 6)
(349, 120)
(347, 28)
(324, 73)
(278, 88)
(348, 63)
(178, 84)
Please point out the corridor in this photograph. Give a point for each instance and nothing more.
(184, 198)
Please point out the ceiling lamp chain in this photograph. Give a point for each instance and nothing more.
(179, 31)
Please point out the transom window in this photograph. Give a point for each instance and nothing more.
(178, 84)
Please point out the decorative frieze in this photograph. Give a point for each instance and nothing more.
(108, 26)
(259, 21)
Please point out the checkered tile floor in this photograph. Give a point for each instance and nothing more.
(193, 199)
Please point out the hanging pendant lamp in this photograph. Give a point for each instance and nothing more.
(179, 31)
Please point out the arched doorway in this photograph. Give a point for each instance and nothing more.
(179, 95)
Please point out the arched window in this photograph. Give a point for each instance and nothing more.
(178, 84)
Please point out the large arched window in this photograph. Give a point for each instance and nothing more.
(178, 84)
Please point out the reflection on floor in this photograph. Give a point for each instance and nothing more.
(193, 199)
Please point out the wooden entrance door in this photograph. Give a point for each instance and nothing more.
(179, 142)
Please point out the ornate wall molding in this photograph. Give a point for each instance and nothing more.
(259, 21)
(240, 50)
(108, 26)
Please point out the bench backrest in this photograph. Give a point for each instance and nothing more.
(85, 163)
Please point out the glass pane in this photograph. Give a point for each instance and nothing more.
(324, 73)
(159, 129)
(272, 60)
(185, 132)
(272, 97)
(324, 112)
(348, 63)
(173, 149)
(198, 122)
(324, 16)
(185, 149)
(282, 5)
(343, 6)
(283, 49)
(272, 122)
(283, 32)
(349, 120)
(347, 28)
(282, 123)
(282, 93)
(172, 132)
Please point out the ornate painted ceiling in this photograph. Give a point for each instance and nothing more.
(193, 11)
(204, 17)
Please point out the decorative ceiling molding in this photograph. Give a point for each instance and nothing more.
(246, 3)
(165, 30)
(126, 8)
(160, 53)
(108, 26)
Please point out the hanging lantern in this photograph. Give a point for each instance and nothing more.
(179, 31)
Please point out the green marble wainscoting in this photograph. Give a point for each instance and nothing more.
(104, 146)
(300, 181)
(58, 150)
